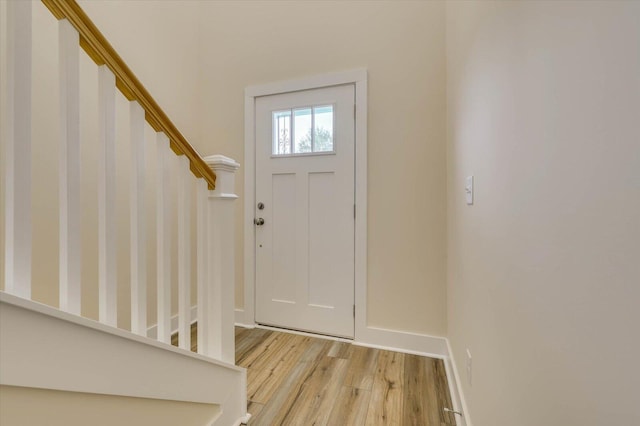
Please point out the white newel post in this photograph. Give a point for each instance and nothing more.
(221, 259)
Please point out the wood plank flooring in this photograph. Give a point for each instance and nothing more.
(301, 380)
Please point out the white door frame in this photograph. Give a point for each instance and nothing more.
(357, 77)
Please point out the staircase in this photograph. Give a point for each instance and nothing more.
(59, 345)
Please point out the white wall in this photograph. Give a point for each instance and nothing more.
(543, 270)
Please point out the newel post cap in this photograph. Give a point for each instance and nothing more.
(225, 169)
(220, 162)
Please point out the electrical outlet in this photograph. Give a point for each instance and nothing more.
(469, 367)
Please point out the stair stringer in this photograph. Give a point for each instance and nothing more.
(42, 347)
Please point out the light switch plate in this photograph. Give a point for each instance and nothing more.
(469, 367)
(468, 189)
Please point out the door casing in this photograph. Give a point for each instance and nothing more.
(359, 79)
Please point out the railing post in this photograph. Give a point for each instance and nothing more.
(221, 259)
(70, 246)
(138, 235)
(184, 253)
(202, 261)
(107, 248)
(17, 151)
(163, 238)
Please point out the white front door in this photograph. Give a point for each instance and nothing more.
(305, 153)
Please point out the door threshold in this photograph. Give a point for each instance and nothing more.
(304, 333)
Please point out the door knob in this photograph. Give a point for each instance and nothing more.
(259, 221)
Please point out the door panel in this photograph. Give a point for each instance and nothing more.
(305, 178)
(283, 203)
(321, 243)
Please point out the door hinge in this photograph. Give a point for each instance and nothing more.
(354, 311)
(354, 211)
(354, 111)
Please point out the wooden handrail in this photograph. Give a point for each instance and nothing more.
(102, 53)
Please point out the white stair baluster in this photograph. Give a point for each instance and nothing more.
(138, 234)
(163, 232)
(214, 285)
(17, 124)
(107, 278)
(70, 250)
(184, 253)
(202, 193)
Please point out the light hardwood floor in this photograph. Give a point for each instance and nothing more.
(301, 380)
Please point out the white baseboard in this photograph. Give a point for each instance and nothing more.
(402, 341)
(379, 338)
(302, 333)
(152, 331)
(243, 420)
(455, 389)
(241, 321)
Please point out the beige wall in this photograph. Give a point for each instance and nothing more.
(543, 275)
(159, 42)
(402, 46)
(3, 91)
(21, 406)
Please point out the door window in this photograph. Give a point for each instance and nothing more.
(303, 131)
